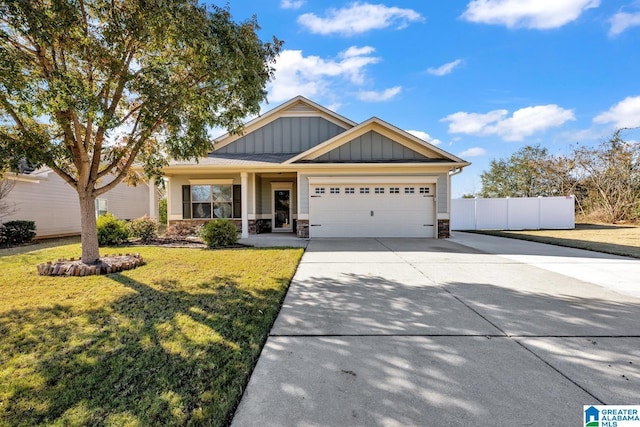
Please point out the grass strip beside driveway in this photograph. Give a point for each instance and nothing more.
(611, 239)
(170, 343)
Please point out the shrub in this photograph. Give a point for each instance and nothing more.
(180, 229)
(111, 231)
(162, 211)
(143, 228)
(17, 232)
(219, 232)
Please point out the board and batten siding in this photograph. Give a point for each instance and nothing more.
(370, 147)
(49, 201)
(284, 135)
(443, 193)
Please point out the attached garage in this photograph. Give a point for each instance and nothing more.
(371, 207)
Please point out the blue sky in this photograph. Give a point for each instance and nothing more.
(479, 78)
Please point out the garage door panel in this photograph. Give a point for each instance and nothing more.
(344, 214)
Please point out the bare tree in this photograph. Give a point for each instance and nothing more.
(6, 185)
(610, 174)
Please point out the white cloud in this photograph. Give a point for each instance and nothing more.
(311, 76)
(472, 123)
(358, 18)
(425, 137)
(536, 14)
(291, 4)
(473, 152)
(622, 21)
(385, 95)
(444, 69)
(522, 123)
(625, 114)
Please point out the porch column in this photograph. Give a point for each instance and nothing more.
(244, 197)
(152, 199)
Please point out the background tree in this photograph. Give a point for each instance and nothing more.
(87, 87)
(529, 172)
(610, 177)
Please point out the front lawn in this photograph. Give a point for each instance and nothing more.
(170, 343)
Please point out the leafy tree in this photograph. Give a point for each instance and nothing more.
(529, 172)
(87, 87)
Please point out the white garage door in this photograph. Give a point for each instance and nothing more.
(371, 210)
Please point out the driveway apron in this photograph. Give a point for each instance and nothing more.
(466, 331)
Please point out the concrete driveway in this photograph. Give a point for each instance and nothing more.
(474, 330)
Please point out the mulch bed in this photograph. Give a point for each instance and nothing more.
(118, 262)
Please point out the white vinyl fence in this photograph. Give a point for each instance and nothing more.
(522, 213)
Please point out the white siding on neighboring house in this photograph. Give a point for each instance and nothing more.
(45, 198)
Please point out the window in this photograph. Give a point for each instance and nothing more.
(319, 190)
(424, 190)
(379, 190)
(349, 190)
(334, 190)
(101, 207)
(212, 201)
(409, 190)
(364, 190)
(394, 190)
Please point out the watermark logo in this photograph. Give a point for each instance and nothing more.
(592, 417)
(611, 415)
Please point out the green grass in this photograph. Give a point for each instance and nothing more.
(170, 343)
(621, 240)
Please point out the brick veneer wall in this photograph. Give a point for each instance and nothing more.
(255, 226)
(444, 230)
(196, 222)
(302, 228)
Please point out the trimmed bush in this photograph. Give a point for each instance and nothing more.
(143, 228)
(111, 231)
(17, 232)
(219, 233)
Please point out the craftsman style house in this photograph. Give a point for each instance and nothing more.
(303, 168)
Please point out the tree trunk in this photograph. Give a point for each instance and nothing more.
(88, 229)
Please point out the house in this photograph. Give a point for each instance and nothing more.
(44, 197)
(305, 169)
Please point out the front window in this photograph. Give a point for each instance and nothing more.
(212, 201)
(101, 207)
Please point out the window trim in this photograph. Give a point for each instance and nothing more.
(212, 204)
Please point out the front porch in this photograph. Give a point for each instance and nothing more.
(258, 202)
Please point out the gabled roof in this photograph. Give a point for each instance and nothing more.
(296, 107)
(379, 126)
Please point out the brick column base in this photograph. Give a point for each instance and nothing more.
(444, 232)
(302, 228)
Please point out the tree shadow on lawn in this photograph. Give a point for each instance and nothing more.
(161, 356)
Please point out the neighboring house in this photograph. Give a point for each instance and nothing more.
(303, 168)
(42, 196)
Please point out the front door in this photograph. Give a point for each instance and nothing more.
(282, 210)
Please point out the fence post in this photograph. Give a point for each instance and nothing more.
(539, 212)
(475, 213)
(508, 199)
